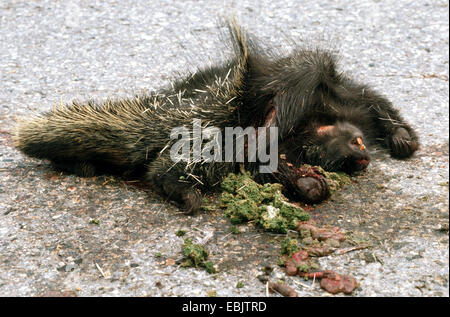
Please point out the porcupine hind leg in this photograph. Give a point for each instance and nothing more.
(170, 181)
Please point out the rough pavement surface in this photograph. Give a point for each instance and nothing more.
(61, 234)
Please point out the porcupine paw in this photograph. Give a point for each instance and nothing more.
(312, 190)
(401, 144)
(312, 186)
(192, 201)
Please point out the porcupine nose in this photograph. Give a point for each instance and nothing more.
(363, 163)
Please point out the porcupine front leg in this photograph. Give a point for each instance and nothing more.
(392, 130)
(171, 181)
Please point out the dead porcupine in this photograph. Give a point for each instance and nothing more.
(321, 115)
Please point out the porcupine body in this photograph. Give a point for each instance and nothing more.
(321, 115)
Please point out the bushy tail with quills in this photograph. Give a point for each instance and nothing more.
(88, 139)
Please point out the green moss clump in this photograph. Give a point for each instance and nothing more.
(309, 266)
(293, 214)
(242, 186)
(196, 256)
(289, 246)
(245, 200)
(226, 199)
(234, 229)
(241, 210)
(195, 253)
(281, 261)
(209, 267)
(335, 180)
(305, 233)
(303, 268)
(180, 233)
(272, 192)
(271, 220)
(94, 221)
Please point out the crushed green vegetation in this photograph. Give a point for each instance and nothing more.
(287, 258)
(94, 221)
(310, 266)
(335, 180)
(209, 267)
(289, 246)
(180, 233)
(245, 200)
(234, 229)
(196, 256)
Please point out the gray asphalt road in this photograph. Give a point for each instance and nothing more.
(55, 51)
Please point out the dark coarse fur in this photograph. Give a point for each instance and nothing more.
(300, 94)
